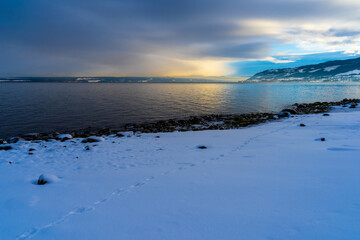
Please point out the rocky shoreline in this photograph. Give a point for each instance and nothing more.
(193, 123)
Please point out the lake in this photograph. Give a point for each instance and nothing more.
(45, 107)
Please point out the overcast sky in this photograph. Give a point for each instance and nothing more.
(172, 37)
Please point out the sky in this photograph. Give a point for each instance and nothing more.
(220, 38)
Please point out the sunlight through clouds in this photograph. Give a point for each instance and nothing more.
(160, 37)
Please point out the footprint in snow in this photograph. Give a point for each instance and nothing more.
(188, 164)
(202, 147)
(80, 210)
(342, 149)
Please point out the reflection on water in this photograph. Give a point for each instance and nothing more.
(38, 107)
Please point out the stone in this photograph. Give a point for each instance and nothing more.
(353, 105)
(47, 178)
(31, 136)
(15, 139)
(64, 137)
(284, 114)
(92, 139)
(6, 148)
(291, 111)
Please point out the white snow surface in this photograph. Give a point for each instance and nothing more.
(315, 70)
(49, 178)
(353, 72)
(329, 69)
(63, 136)
(270, 181)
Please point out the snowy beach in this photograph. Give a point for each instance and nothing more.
(276, 180)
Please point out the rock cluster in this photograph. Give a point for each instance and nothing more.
(194, 123)
(321, 107)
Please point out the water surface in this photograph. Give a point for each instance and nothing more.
(44, 107)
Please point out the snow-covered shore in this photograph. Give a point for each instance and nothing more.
(271, 181)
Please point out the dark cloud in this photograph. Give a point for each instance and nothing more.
(343, 32)
(68, 37)
(253, 50)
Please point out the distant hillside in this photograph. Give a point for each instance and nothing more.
(332, 71)
(111, 80)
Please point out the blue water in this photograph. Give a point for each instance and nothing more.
(44, 107)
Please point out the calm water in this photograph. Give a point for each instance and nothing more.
(43, 107)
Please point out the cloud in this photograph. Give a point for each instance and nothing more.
(161, 37)
(250, 50)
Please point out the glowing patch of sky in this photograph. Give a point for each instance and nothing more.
(177, 38)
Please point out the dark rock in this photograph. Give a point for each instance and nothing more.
(322, 139)
(353, 105)
(120, 135)
(6, 148)
(202, 147)
(2, 141)
(302, 125)
(284, 114)
(326, 114)
(157, 136)
(291, 111)
(87, 148)
(46, 178)
(31, 136)
(41, 182)
(15, 139)
(63, 137)
(32, 149)
(92, 140)
(105, 131)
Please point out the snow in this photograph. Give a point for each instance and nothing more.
(93, 139)
(270, 181)
(64, 136)
(47, 178)
(356, 71)
(315, 70)
(329, 69)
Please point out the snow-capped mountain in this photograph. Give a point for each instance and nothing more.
(339, 70)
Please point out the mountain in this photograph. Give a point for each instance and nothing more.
(331, 71)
